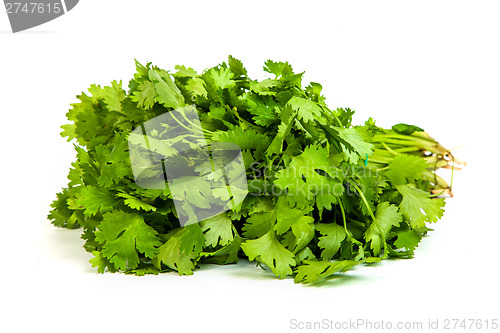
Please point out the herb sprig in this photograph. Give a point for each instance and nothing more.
(325, 195)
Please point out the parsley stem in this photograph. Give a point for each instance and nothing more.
(406, 149)
(407, 137)
(195, 125)
(343, 216)
(309, 129)
(389, 149)
(373, 217)
(234, 111)
(364, 200)
(190, 129)
(433, 177)
(337, 119)
(180, 123)
(330, 112)
(348, 233)
(411, 143)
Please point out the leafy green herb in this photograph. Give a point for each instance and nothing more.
(325, 196)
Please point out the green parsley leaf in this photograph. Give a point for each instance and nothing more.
(168, 93)
(145, 96)
(306, 110)
(122, 235)
(405, 169)
(172, 256)
(406, 129)
(386, 217)
(333, 235)
(94, 200)
(218, 230)
(268, 250)
(316, 271)
(135, 203)
(278, 68)
(418, 207)
(408, 239)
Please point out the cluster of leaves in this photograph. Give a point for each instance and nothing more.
(318, 204)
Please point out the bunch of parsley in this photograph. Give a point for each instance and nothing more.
(324, 197)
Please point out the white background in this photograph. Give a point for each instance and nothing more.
(432, 63)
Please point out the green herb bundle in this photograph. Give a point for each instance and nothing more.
(324, 197)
